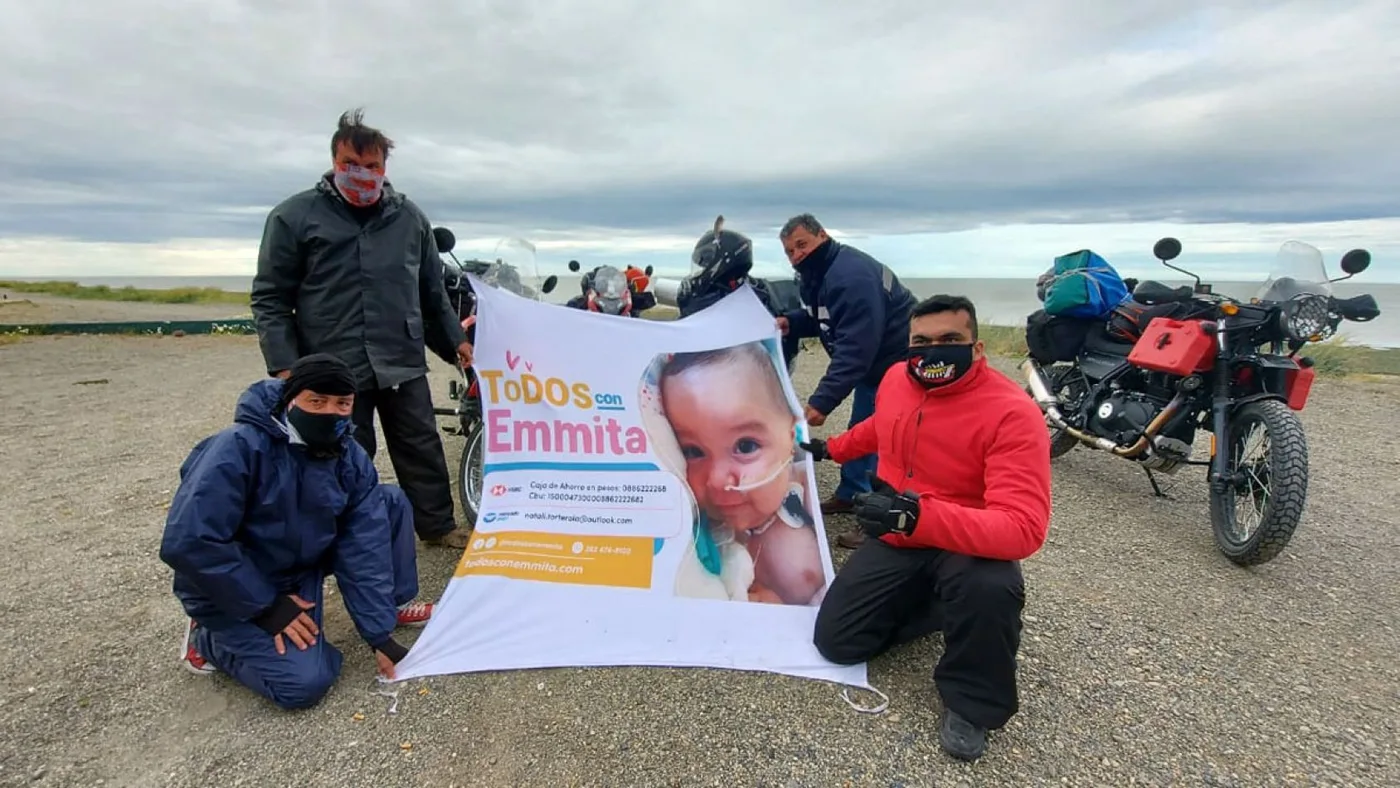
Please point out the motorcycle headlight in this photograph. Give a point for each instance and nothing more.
(1307, 318)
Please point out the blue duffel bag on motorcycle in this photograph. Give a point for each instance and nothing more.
(1084, 285)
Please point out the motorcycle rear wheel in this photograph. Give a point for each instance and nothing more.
(1274, 486)
(469, 472)
(1062, 442)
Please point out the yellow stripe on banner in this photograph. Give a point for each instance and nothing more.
(618, 561)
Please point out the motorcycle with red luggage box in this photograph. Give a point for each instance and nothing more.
(1170, 362)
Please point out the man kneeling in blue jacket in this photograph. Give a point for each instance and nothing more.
(265, 510)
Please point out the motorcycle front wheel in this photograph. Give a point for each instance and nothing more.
(1255, 516)
(469, 472)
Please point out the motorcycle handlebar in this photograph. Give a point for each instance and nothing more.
(1357, 309)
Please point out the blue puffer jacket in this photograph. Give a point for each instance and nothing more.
(860, 311)
(255, 515)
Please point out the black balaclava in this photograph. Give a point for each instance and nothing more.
(323, 374)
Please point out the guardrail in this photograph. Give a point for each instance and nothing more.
(137, 327)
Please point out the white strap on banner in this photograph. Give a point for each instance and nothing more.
(393, 695)
(846, 696)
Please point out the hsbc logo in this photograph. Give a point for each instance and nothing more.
(498, 490)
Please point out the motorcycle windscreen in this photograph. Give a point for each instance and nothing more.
(513, 267)
(1298, 269)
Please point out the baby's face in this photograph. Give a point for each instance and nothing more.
(732, 434)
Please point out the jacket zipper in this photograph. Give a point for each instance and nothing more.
(913, 444)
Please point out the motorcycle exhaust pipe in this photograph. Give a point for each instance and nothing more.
(1050, 404)
(1040, 389)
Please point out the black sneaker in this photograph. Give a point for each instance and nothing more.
(960, 738)
(457, 539)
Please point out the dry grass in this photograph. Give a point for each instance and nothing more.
(177, 295)
(1339, 358)
(662, 312)
(1003, 341)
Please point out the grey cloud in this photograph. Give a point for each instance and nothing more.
(140, 123)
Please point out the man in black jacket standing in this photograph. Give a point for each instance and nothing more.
(860, 311)
(349, 267)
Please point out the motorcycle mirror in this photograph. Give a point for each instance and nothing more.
(1354, 262)
(549, 283)
(647, 270)
(444, 238)
(1167, 249)
(573, 266)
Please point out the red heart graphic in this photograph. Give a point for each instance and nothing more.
(511, 360)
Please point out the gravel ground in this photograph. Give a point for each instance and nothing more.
(1148, 659)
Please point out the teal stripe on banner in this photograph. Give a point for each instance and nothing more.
(569, 466)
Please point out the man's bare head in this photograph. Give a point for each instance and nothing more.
(359, 145)
(800, 235)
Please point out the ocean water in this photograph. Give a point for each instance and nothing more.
(999, 301)
(1006, 302)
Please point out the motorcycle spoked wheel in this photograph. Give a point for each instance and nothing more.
(1254, 520)
(469, 472)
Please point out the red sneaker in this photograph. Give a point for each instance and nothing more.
(415, 614)
(190, 658)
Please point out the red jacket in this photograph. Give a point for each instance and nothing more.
(977, 454)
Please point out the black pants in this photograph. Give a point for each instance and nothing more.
(885, 596)
(415, 450)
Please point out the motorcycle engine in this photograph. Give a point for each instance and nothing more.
(1122, 416)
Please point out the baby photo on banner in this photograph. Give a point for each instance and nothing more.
(722, 422)
(644, 499)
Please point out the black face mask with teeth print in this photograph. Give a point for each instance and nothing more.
(932, 366)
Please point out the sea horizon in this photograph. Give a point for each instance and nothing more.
(1001, 301)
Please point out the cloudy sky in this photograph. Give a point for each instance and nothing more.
(951, 138)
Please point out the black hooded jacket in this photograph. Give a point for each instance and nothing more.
(365, 285)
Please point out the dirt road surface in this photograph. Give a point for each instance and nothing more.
(1147, 660)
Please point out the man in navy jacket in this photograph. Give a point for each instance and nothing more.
(860, 311)
(265, 510)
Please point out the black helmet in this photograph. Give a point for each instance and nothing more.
(722, 255)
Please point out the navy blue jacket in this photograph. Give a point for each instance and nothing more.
(254, 515)
(859, 310)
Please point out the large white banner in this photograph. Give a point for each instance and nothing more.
(645, 502)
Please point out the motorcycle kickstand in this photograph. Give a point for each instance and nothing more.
(1156, 489)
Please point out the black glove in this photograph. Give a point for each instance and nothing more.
(393, 650)
(278, 616)
(817, 448)
(882, 511)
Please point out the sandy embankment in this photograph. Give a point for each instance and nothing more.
(1147, 658)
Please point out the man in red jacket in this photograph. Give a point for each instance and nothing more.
(962, 495)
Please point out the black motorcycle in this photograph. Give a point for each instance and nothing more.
(1171, 361)
(512, 269)
(608, 290)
